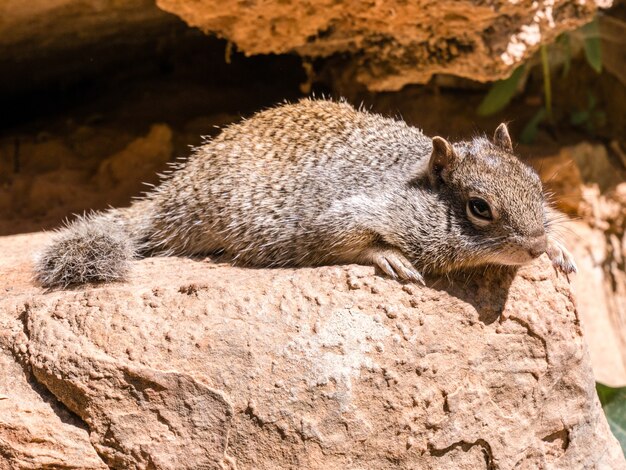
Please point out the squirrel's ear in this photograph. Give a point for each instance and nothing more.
(442, 159)
(502, 138)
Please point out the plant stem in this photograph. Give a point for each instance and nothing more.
(547, 86)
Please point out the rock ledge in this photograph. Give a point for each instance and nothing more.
(193, 364)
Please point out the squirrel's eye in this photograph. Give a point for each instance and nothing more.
(479, 208)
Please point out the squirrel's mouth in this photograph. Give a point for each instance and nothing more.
(516, 254)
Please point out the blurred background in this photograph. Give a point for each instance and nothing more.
(96, 96)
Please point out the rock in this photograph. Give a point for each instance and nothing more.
(42, 27)
(36, 430)
(394, 43)
(60, 188)
(390, 44)
(595, 165)
(561, 180)
(587, 183)
(142, 158)
(69, 183)
(210, 366)
(600, 287)
(601, 301)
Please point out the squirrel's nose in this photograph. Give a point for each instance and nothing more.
(538, 246)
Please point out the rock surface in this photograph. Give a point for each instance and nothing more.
(394, 42)
(91, 168)
(588, 184)
(36, 431)
(208, 366)
(601, 287)
(391, 43)
(41, 26)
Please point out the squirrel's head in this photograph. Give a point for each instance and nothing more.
(496, 200)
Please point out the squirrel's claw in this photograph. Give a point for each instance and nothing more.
(561, 258)
(395, 265)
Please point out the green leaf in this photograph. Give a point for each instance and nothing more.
(614, 404)
(606, 394)
(564, 41)
(592, 45)
(530, 130)
(591, 100)
(500, 93)
(579, 117)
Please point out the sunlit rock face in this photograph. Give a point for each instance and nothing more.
(393, 43)
(194, 363)
(383, 45)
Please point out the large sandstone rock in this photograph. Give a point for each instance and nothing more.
(601, 288)
(589, 184)
(39, 26)
(192, 364)
(391, 43)
(394, 42)
(35, 431)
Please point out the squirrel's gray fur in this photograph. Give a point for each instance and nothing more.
(318, 182)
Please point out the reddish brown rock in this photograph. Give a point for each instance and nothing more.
(43, 25)
(390, 43)
(36, 430)
(192, 364)
(600, 287)
(562, 180)
(587, 182)
(94, 174)
(393, 42)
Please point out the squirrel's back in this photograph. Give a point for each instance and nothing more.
(261, 189)
(305, 146)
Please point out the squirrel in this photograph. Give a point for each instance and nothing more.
(319, 182)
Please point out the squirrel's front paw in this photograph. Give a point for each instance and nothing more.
(395, 265)
(560, 257)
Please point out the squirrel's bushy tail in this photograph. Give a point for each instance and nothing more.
(93, 248)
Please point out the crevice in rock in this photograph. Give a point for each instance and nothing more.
(141, 384)
(446, 405)
(162, 419)
(23, 318)
(533, 334)
(559, 438)
(5, 453)
(615, 261)
(249, 412)
(261, 424)
(466, 446)
(191, 289)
